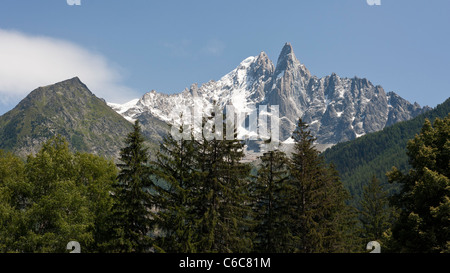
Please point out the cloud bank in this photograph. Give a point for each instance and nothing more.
(215, 47)
(28, 62)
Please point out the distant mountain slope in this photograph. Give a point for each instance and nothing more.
(376, 153)
(67, 108)
(338, 109)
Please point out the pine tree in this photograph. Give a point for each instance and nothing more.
(305, 199)
(222, 196)
(177, 184)
(134, 202)
(269, 193)
(203, 191)
(375, 215)
(424, 225)
(319, 214)
(341, 220)
(235, 204)
(207, 200)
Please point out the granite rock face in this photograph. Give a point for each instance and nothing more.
(337, 109)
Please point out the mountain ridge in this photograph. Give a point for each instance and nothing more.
(67, 108)
(337, 109)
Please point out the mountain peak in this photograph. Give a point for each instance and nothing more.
(262, 56)
(287, 54)
(338, 109)
(67, 108)
(263, 64)
(287, 49)
(286, 58)
(74, 81)
(288, 61)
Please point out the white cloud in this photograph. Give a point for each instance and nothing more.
(179, 49)
(215, 47)
(28, 62)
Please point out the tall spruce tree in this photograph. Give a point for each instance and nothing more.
(175, 172)
(222, 196)
(424, 222)
(320, 219)
(134, 202)
(375, 214)
(269, 193)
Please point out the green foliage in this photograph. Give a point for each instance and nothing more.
(96, 176)
(57, 208)
(14, 191)
(424, 224)
(204, 201)
(222, 197)
(375, 215)
(53, 198)
(198, 196)
(133, 217)
(269, 192)
(176, 176)
(320, 220)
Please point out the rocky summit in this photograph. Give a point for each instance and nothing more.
(69, 109)
(337, 109)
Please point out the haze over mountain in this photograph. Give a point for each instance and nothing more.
(337, 109)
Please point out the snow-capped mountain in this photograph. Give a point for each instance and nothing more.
(337, 109)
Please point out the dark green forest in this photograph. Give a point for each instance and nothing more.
(196, 196)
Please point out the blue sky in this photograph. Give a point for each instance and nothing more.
(122, 49)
